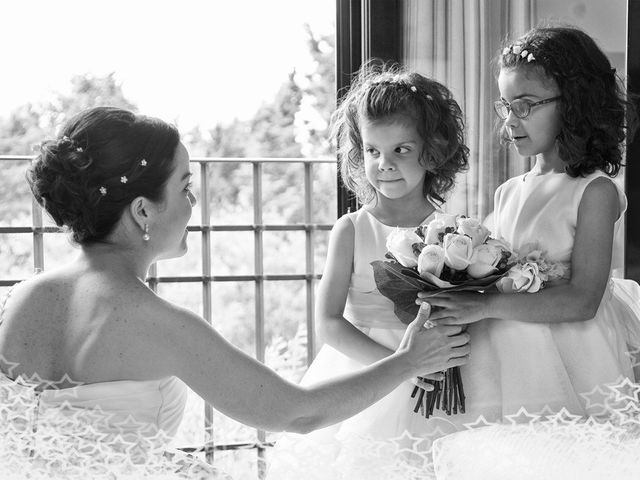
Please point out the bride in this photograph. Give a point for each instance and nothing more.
(94, 363)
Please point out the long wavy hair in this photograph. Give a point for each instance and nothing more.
(594, 110)
(385, 92)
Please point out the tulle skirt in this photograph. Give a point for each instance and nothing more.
(519, 375)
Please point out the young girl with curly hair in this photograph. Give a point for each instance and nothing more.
(561, 102)
(400, 141)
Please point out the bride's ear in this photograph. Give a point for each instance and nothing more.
(140, 209)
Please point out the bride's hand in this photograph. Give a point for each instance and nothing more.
(434, 349)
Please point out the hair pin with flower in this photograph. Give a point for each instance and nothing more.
(519, 49)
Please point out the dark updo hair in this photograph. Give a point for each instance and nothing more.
(78, 178)
(593, 103)
(387, 91)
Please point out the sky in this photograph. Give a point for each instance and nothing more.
(193, 62)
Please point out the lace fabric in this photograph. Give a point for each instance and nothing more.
(43, 439)
(546, 444)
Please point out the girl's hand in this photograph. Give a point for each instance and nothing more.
(455, 308)
(435, 348)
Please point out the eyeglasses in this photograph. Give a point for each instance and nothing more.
(520, 108)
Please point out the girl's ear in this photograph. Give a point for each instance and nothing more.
(140, 209)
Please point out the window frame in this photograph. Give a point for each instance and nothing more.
(369, 29)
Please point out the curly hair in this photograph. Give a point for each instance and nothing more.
(382, 91)
(78, 177)
(595, 113)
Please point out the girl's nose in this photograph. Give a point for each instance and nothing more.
(192, 199)
(511, 120)
(385, 164)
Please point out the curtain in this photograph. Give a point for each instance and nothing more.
(455, 42)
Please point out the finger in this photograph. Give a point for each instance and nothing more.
(460, 340)
(423, 315)
(440, 314)
(428, 294)
(457, 361)
(461, 351)
(440, 302)
(438, 376)
(449, 330)
(449, 321)
(423, 384)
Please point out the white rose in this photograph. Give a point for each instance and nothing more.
(484, 260)
(457, 251)
(521, 278)
(448, 219)
(400, 245)
(499, 242)
(433, 231)
(503, 245)
(431, 260)
(474, 229)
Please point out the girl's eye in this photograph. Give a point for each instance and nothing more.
(371, 151)
(402, 150)
(188, 187)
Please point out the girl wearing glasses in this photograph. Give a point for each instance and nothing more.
(561, 102)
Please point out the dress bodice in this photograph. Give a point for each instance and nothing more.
(366, 307)
(543, 209)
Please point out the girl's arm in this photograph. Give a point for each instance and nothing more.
(248, 391)
(573, 301)
(332, 327)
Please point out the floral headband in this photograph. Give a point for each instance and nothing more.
(74, 145)
(518, 48)
(404, 84)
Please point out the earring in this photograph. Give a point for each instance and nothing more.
(146, 236)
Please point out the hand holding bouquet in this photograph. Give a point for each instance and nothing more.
(451, 253)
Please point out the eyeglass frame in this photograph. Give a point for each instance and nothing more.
(503, 103)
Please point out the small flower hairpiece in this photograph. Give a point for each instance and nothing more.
(79, 149)
(519, 49)
(103, 191)
(413, 88)
(123, 179)
(143, 162)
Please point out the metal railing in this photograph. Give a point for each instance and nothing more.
(259, 277)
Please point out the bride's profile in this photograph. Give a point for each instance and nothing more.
(94, 365)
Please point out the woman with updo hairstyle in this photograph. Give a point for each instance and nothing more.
(101, 363)
(78, 177)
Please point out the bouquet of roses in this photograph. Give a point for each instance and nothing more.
(451, 253)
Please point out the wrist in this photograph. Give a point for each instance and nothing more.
(400, 360)
(490, 305)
